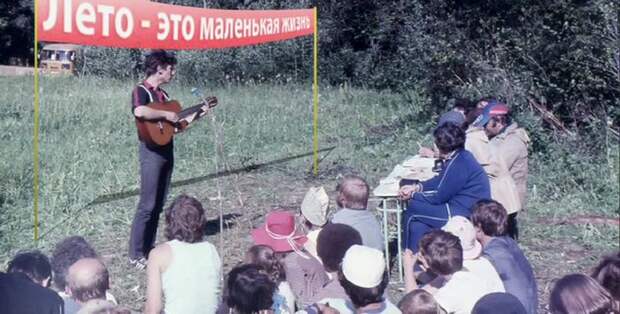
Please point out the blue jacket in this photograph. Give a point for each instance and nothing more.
(514, 269)
(460, 184)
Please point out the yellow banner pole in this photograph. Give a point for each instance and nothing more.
(315, 95)
(35, 148)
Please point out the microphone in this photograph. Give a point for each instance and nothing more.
(198, 94)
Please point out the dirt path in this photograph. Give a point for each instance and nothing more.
(10, 70)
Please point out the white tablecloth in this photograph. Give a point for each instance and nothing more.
(415, 167)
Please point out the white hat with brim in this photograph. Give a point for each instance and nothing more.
(464, 229)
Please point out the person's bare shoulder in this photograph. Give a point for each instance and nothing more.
(160, 256)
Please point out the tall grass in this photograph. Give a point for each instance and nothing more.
(88, 141)
(16, 171)
(88, 145)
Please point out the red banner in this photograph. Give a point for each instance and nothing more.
(145, 24)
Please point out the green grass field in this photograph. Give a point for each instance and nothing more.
(89, 169)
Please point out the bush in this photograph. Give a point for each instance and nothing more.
(561, 54)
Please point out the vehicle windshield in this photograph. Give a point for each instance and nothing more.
(57, 55)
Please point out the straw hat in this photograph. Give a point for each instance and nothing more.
(314, 206)
(464, 229)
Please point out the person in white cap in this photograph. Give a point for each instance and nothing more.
(364, 278)
(472, 253)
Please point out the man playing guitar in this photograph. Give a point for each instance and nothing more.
(156, 162)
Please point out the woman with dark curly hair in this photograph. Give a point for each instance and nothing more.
(249, 290)
(264, 256)
(453, 192)
(185, 270)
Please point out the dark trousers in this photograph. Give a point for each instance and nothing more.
(155, 174)
(513, 227)
(421, 218)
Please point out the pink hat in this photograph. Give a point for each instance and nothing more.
(279, 232)
(498, 110)
(464, 229)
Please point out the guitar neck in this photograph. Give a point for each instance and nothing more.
(189, 111)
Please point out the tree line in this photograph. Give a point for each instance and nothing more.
(559, 56)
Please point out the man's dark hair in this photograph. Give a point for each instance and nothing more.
(67, 252)
(354, 189)
(185, 220)
(33, 264)
(158, 58)
(488, 99)
(607, 273)
(90, 286)
(442, 251)
(491, 217)
(333, 242)
(471, 116)
(249, 289)
(360, 296)
(463, 104)
(449, 137)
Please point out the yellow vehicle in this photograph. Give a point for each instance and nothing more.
(58, 58)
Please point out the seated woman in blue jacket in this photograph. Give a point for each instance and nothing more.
(453, 192)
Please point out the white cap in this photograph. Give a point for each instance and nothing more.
(314, 206)
(464, 229)
(363, 266)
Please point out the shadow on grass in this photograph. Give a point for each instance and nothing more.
(212, 227)
(122, 195)
(125, 194)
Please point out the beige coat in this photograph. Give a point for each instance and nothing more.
(503, 187)
(512, 147)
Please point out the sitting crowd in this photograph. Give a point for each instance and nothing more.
(459, 238)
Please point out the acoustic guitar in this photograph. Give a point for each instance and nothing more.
(160, 132)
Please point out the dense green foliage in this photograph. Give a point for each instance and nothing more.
(16, 32)
(562, 54)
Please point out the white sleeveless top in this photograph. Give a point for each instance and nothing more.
(191, 283)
